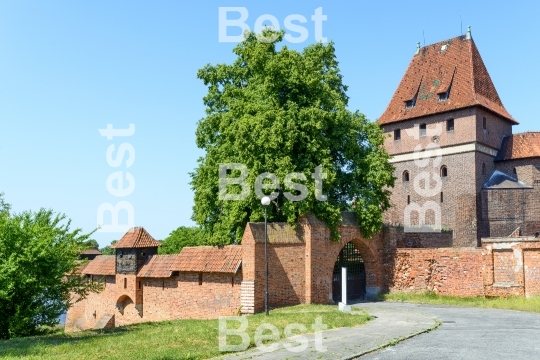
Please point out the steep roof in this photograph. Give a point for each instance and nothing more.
(500, 180)
(136, 237)
(101, 265)
(454, 66)
(226, 259)
(158, 266)
(519, 146)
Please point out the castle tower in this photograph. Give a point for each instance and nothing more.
(445, 102)
(133, 249)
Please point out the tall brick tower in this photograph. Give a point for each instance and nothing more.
(445, 102)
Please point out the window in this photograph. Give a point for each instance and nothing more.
(443, 96)
(162, 285)
(408, 199)
(515, 171)
(423, 129)
(484, 123)
(483, 169)
(442, 197)
(120, 253)
(444, 171)
(405, 176)
(200, 278)
(450, 125)
(125, 283)
(139, 285)
(397, 134)
(409, 104)
(232, 281)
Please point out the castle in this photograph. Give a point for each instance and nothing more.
(459, 168)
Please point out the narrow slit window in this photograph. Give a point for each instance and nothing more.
(484, 169)
(484, 123)
(408, 199)
(140, 285)
(397, 134)
(200, 278)
(442, 197)
(232, 281)
(125, 283)
(163, 285)
(423, 129)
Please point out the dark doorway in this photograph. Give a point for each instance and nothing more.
(350, 258)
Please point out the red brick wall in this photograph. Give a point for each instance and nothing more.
(160, 299)
(452, 271)
(531, 259)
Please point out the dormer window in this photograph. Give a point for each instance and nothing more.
(443, 96)
(409, 104)
(397, 134)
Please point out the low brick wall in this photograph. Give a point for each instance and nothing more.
(515, 266)
(158, 299)
(452, 271)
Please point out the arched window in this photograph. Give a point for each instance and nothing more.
(444, 171)
(484, 169)
(405, 176)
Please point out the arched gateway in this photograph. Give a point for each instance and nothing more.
(350, 258)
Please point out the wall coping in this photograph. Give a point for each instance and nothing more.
(510, 240)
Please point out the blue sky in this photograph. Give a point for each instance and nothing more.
(68, 69)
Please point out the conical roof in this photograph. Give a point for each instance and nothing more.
(454, 67)
(136, 237)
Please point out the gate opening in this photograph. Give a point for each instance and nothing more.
(350, 258)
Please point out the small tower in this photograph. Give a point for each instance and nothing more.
(133, 249)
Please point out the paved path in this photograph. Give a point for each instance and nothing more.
(469, 333)
(390, 325)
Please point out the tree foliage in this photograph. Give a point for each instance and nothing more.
(38, 270)
(284, 111)
(181, 237)
(91, 244)
(107, 250)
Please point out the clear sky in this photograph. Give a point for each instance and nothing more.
(69, 68)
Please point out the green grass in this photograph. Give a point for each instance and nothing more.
(178, 339)
(510, 303)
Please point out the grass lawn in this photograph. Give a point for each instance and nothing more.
(510, 303)
(178, 339)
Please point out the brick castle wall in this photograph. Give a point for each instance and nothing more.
(178, 297)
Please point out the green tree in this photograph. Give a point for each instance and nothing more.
(107, 249)
(91, 244)
(38, 270)
(183, 236)
(281, 112)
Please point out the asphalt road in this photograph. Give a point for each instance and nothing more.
(468, 333)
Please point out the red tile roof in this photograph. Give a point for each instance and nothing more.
(101, 265)
(519, 146)
(209, 259)
(158, 266)
(136, 238)
(458, 68)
